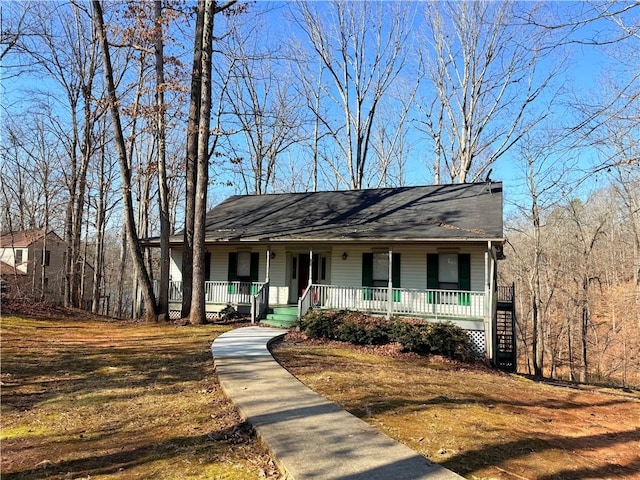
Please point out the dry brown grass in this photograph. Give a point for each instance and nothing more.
(475, 421)
(95, 399)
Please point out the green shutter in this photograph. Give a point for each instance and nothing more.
(232, 273)
(464, 278)
(254, 271)
(395, 275)
(367, 274)
(433, 278)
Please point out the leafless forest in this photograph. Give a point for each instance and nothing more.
(127, 120)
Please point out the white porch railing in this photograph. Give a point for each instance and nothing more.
(175, 290)
(434, 303)
(259, 302)
(235, 293)
(438, 304)
(304, 302)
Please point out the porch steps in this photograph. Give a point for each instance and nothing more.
(282, 316)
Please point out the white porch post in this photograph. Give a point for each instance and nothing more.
(390, 290)
(487, 281)
(266, 280)
(488, 301)
(310, 267)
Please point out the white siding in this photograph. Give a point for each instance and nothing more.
(7, 255)
(413, 265)
(278, 288)
(477, 270)
(175, 266)
(346, 273)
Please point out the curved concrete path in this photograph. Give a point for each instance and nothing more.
(311, 437)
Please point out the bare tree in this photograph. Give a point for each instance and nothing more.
(363, 48)
(622, 157)
(197, 158)
(190, 165)
(206, 9)
(65, 49)
(103, 199)
(546, 178)
(15, 23)
(163, 188)
(32, 187)
(483, 66)
(317, 126)
(391, 144)
(264, 107)
(125, 172)
(198, 144)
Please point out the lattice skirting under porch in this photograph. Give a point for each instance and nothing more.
(477, 341)
(175, 315)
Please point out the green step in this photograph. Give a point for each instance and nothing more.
(282, 316)
(280, 323)
(284, 310)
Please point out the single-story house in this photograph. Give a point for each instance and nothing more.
(428, 251)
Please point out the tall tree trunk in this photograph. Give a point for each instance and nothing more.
(163, 189)
(99, 247)
(69, 262)
(86, 148)
(584, 330)
(197, 311)
(125, 172)
(121, 270)
(192, 155)
(538, 324)
(43, 272)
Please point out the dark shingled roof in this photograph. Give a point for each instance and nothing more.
(437, 212)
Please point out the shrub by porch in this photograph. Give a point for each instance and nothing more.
(416, 336)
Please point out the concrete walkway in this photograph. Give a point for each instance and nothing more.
(311, 437)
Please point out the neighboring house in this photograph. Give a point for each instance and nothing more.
(32, 264)
(429, 252)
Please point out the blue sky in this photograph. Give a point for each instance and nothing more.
(583, 80)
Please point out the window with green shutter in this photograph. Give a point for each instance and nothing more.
(254, 270)
(449, 272)
(464, 278)
(232, 272)
(243, 267)
(375, 273)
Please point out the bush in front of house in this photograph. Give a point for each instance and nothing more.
(414, 335)
(320, 323)
(361, 329)
(449, 340)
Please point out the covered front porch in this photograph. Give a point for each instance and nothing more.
(252, 298)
